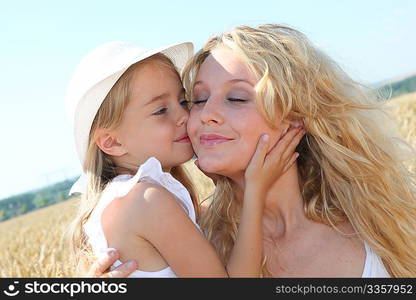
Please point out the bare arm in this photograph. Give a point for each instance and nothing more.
(155, 215)
(168, 228)
(152, 213)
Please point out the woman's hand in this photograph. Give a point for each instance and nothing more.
(266, 167)
(100, 268)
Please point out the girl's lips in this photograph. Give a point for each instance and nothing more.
(184, 139)
(212, 139)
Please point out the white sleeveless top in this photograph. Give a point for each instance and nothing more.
(150, 171)
(373, 266)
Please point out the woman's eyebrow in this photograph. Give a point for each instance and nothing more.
(236, 80)
(240, 80)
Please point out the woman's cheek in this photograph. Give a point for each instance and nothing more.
(191, 130)
(245, 152)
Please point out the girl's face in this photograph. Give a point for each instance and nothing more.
(154, 121)
(224, 124)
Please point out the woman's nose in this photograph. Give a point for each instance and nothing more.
(211, 112)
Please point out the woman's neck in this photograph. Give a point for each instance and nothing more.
(284, 209)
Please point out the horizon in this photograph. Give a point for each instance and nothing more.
(43, 41)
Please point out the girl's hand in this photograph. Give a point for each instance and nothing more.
(265, 168)
(100, 268)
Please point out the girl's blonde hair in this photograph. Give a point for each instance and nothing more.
(349, 166)
(99, 167)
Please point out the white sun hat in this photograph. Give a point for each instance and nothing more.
(97, 73)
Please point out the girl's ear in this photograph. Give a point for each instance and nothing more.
(107, 141)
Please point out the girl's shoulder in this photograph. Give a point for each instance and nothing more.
(143, 204)
(146, 193)
(142, 196)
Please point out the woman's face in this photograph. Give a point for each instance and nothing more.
(224, 124)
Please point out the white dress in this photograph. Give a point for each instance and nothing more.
(373, 266)
(150, 171)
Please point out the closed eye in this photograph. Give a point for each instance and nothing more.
(198, 101)
(236, 100)
(184, 103)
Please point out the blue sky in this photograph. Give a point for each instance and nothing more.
(42, 41)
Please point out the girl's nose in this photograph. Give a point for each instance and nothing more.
(183, 117)
(211, 113)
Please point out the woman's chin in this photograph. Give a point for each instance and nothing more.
(210, 165)
(217, 167)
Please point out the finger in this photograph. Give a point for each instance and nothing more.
(291, 162)
(288, 137)
(261, 150)
(122, 271)
(291, 147)
(104, 261)
(286, 127)
(280, 148)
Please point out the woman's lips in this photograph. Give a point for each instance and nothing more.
(212, 139)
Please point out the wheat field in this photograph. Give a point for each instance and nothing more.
(403, 109)
(33, 244)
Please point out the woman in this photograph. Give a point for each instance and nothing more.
(347, 206)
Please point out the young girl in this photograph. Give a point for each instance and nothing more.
(130, 115)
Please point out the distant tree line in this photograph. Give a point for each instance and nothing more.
(20, 204)
(398, 88)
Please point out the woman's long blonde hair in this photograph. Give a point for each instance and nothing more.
(350, 167)
(99, 167)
